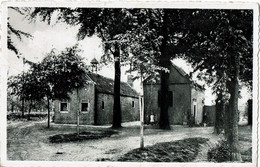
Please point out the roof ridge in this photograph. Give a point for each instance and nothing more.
(105, 84)
(180, 70)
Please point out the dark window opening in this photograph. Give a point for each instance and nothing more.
(194, 107)
(133, 104)
(103, 105)
(63, 106)
(84, 106)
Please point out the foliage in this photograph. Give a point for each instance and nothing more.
(18, 33)
(225, 35)
(220, 153)
(247, 155)
(34, 116)
(53, 78)
(62, 73)
(109, 24)
(229, 41)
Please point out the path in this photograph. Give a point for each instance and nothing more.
(30, 141)
(203, 153)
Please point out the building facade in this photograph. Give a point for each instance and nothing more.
(95, 102)
(185, 102)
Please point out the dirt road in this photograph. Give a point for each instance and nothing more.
(29, 141)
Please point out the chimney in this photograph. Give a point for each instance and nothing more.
(130, 80)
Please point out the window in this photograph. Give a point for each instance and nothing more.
(64, 106)
(133, 104)
(103, 105)
(84, 106)
(195, 110)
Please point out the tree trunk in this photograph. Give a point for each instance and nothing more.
(22, 108)
(12, 107)
(220, 112)
(249, 111)
(164, 101)
(78, 110)
(233, 88)
(117, 106)
(166, 63)
(48, 106)
(29, 111)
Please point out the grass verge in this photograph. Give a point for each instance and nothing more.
(88, 135)
(178, 151)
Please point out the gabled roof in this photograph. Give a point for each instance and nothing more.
(157, 80)
(94, 61)
(106, 85)
(180, 70)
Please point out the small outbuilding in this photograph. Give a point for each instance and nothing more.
(96, 102)
(185, 100)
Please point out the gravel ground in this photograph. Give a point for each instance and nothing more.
(29, 141)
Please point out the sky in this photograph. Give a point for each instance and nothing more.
(59, 36)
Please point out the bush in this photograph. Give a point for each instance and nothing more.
(18, 116)
(247, 155)
(220, 153)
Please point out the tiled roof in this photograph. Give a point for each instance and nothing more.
(106, 85)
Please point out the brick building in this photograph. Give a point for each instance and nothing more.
(184, 100)
(96, 103)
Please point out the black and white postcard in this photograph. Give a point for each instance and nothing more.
(135, 83)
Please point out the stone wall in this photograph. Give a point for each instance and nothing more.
(180, 105)
(199, 96)
(105, 115)
(181, 93)
(70, 117)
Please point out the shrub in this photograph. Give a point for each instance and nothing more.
(220, 153)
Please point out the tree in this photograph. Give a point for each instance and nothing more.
(109, 25)
(61, 74)
(13, 32)
(24, 86)
(158, 39)
(53, 78)
(226, 36)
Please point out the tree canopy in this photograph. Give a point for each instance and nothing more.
(11, 32)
